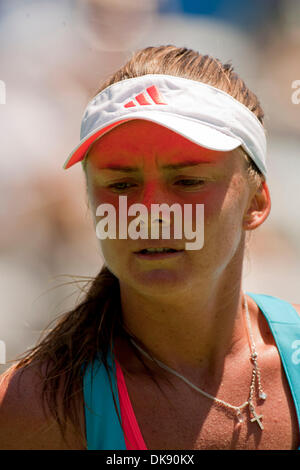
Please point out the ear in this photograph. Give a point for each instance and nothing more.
(258, 208)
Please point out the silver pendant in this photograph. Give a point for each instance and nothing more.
(240, 417)
(257, 418)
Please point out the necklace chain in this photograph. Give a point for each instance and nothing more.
(256, 378)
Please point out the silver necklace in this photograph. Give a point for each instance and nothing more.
(255, 380)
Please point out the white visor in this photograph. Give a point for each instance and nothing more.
(199, 112)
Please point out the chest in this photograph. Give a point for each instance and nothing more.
(178, 417)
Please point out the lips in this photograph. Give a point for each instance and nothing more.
(158, 252)
(158, 249)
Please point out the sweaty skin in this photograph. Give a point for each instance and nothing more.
(186, 309)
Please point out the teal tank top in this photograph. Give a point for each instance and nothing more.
(103, 429)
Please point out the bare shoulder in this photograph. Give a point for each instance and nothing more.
(25, 424)
(297, 308)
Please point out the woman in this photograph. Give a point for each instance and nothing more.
(166, 351)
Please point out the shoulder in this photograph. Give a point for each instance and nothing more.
(297, 308)
(25, 420)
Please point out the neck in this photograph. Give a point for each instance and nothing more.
(195, 329)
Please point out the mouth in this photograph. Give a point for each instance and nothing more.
(158, 253)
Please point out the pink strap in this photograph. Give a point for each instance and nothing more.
(132, 434)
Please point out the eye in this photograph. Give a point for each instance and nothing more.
(190, 182)
(121, 186)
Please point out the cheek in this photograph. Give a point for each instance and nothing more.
(214, 200)
(100, 196)
(115, 255)
(223, 224)
(224, 203)
(112, 250)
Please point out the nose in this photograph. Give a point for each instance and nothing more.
(154, 192)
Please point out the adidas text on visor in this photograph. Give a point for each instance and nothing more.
(199, 112)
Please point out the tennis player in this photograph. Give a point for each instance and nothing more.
(166, 350)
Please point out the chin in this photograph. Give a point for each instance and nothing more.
(159, 282)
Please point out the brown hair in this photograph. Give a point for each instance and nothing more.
(88, 330)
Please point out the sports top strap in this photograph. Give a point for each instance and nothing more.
(284, 322)
(103, 429)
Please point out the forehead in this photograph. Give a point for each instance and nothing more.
(132, 142)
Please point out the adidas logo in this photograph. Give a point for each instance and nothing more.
(150, 96)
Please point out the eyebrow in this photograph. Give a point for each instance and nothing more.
(192, 163)
(170, 166)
